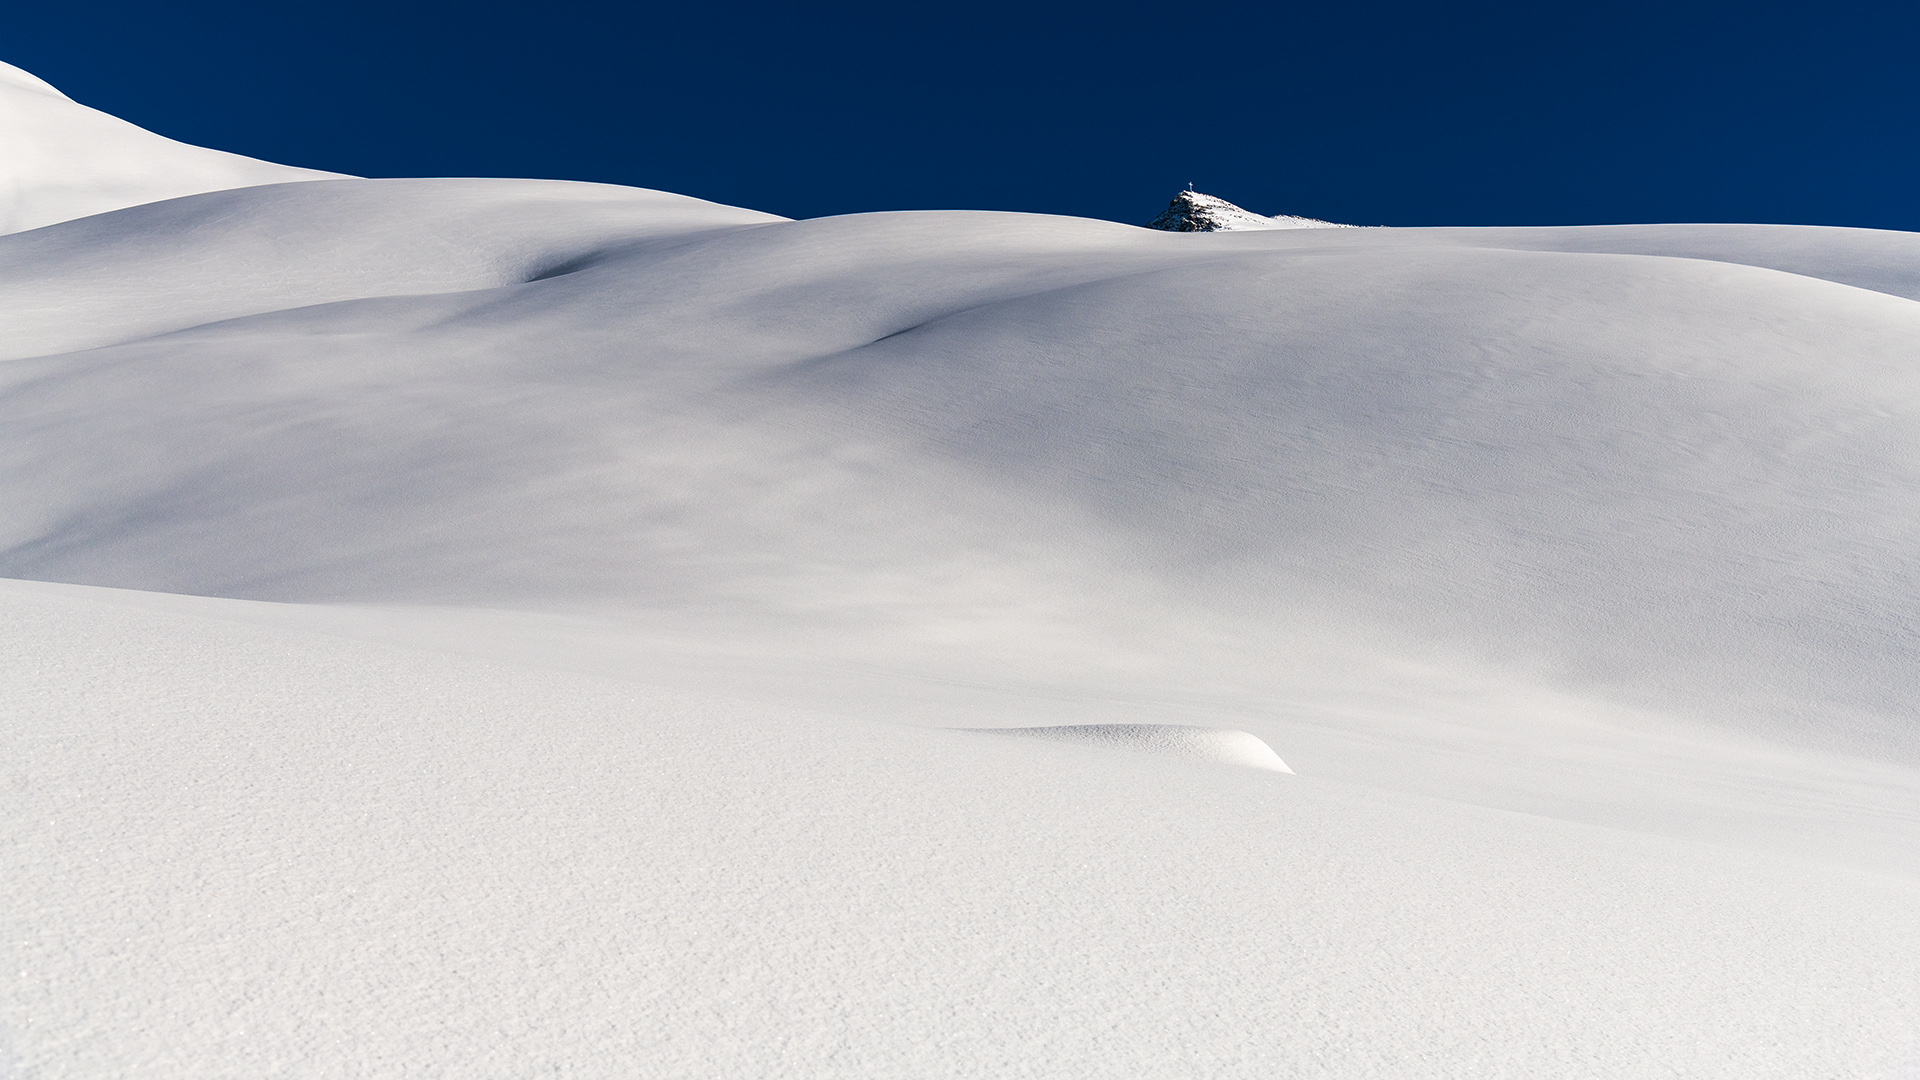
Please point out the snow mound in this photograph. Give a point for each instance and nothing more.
(1228, 745)
(60, 160)
(282, 246)
(1192, 211)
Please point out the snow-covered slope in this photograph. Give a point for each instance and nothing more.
(1247, 431)
(61, 160)
(503, 627)
(241, 846)
(1193, 211)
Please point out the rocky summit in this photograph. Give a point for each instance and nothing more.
(1193, 211)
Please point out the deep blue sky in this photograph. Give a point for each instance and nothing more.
(1371, 113)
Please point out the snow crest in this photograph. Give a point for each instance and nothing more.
(1227, 745)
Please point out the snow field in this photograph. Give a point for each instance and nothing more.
(267, 848)
(487, 627)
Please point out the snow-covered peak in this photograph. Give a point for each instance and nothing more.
(1193, 211)
(61, 160)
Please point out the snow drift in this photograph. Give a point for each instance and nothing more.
(499, 627)
(1176, 740)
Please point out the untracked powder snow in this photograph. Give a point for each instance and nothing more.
(483, 628)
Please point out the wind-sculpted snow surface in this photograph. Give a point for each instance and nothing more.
(1678, 482)
(575, 587)
(1176, 740)
(238, 846)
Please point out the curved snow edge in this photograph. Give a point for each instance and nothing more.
(1229, 745)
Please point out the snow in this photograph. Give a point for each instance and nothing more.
(61, 160)
(1179, 740)
(494, 627)
(244, 845)
(1295, 221)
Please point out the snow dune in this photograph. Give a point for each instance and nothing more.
(1178, 740)
(490, 627)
